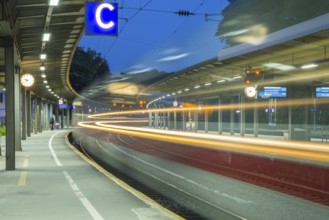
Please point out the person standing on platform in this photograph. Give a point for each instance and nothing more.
(52, 122)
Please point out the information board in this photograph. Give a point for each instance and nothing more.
(322, 92)
(273, 92)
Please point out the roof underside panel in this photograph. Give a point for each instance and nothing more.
(29, 20)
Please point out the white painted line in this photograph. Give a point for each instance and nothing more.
(86, 203)
(57, 161)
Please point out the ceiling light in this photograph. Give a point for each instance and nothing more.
(197, 86)
(45, 81)
(179, 91)
(42, 67)
(43, 56)
(47, 86)
(46, 37)
(43, 75)
(187, 89)
(308, 66)
(236, 77)
(207, 84)
(53, 2)
(221, 81)
(279, 66)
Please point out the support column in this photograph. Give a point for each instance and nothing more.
(24, 113)
(12, 103)
(39, 115)
(232, 114)
(156, 120)
(150, 119)
(220, 122)
(36, 115)
(196, 120)
(56, 114)
(206, 119)
(242, 115)
(184, 120)
(47, 115)
(256, 123)
(175, 120)
(62, 118)
(18, 126)
(290, 113)
(28, 114)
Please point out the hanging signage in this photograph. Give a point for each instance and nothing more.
(62, 106)
(273, 92)
(322, 92)
(101, 18)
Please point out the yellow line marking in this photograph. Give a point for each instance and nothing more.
(124, 185)
(23, 176)
(22, 179)
(26, 162)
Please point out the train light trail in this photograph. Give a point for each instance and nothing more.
(259, 104)
(311, 152)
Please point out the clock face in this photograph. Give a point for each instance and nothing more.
(27, 80)
(250, 91)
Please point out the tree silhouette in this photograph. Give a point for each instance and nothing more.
(86, 67)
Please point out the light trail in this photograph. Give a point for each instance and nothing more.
(312, 152)
(226, 107)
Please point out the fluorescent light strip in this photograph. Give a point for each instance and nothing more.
(43, 56)
(46, 37)
(53, 2)
(308, 66)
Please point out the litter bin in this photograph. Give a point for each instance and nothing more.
(300, 135)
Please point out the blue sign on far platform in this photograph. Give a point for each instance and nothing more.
(101, 18)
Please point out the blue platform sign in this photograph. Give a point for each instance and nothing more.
(273, 92)
(322, 92)
(101, 18)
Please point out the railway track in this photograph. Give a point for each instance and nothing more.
(166, 151)
(177, 200)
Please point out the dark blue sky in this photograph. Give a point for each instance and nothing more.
(156, 38)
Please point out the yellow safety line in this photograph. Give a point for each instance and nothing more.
(125, 186)
(22, 179)
(26, 162)
(22, 176)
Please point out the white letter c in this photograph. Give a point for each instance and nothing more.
(98, 16)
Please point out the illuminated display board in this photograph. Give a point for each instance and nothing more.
(322, 92)
(273, 92)
(101, 18)
(62, 106)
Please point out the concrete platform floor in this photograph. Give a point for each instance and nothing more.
(53, 181)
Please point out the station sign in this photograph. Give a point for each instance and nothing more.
(273, 92)
(101, 18)
(322, 92)
(62, 106)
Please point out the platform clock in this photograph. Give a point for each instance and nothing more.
(27, 80)
(250, 91)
